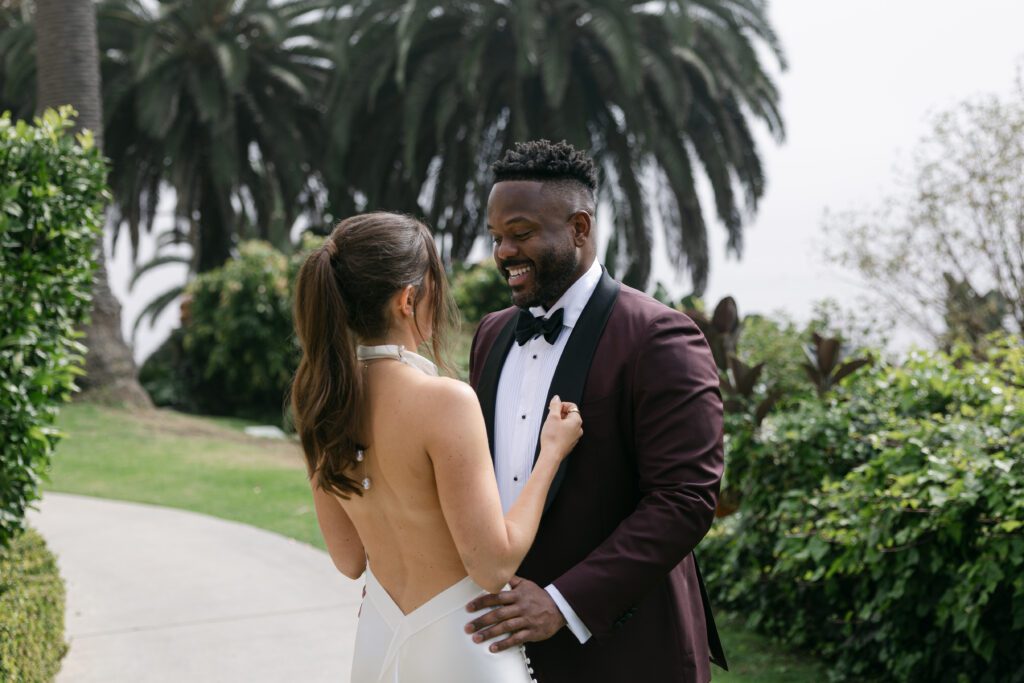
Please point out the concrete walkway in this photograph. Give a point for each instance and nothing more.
(158, 595)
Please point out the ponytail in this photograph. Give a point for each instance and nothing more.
(341, 296)
(328, 387)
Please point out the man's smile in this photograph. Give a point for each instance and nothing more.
(517, 275)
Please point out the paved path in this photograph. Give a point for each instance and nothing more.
(159, 595)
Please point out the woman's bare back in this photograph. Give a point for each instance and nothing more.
(399, 519)
(432, 514)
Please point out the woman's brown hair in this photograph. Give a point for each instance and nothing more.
(341, 297)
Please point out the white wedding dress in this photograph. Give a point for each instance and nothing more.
(428, 645)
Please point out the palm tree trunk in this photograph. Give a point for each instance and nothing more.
(67, 57)
(214, 239)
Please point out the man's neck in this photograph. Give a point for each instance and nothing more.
(582, 270)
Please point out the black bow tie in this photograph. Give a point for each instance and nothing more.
(530, 326)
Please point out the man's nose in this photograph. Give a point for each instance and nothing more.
(505, 250)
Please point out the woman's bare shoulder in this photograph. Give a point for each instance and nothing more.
(447, 402)
(447, 393)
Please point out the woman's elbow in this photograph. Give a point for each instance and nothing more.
(493, 579)
(491, 585)
(352, 568)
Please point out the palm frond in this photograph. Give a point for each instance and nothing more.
(155, 307)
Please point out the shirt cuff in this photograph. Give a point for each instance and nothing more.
(572, 620)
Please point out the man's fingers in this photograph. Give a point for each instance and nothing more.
(493, 617)
(516, 639)
(495, 600)
(507, 626)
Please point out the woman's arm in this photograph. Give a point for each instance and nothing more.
(343, 543)
(491, 545)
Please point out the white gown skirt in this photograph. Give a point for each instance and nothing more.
(428, 645)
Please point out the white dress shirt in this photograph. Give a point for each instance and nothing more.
(521, 400)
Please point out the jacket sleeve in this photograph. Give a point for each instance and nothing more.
(677, 443)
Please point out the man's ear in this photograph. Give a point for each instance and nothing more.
(581, 222)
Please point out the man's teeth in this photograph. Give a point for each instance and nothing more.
(516, 272)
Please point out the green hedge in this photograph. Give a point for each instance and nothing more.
(884, 528)
(479, 289)
(235, 352)
(239, 337)
(31, 612)
(51, 210)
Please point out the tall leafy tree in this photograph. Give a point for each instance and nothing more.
(17, 60)
(428, 93)
(67, 62)
(215, 103)
(218, 101)
(944, 254)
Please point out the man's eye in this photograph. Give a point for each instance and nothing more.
(495, 239)
(523, 235)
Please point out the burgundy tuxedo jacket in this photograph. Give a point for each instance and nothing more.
(635, 496)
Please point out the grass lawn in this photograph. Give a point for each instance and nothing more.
(167, 458)
(756, 659)
(210, 466)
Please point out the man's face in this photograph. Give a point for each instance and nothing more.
(534, 241)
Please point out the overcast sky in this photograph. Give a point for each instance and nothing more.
(863, 79)
(863, 82)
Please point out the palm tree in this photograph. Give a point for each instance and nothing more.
(427, 94)
(216, 100)
(68, 73)
(17, 60)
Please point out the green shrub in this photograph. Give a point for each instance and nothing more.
(51, 210)
(885, 528)
(479, 289)
(234, 316)
(31, 612)
(238, 343)
(777, 342)
(167, 377)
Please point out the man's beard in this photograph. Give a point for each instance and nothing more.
(554, 273)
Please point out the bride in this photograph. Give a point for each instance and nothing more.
(402, 479)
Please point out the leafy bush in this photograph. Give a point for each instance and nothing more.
(884, 528)
(238, 342)
(777, 342)
(235, 351)
(167, 377)
(31, 612)
(479, 289)
(51, 210)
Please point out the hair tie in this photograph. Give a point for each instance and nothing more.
(330, 247)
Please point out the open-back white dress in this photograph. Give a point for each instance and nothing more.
(428, 645)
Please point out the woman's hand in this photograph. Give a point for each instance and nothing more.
(562, 429)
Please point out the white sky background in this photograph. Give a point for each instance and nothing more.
(863, 80)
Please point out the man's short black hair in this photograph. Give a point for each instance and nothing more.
(545, 160)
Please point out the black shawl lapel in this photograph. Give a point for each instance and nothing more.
(573, 367)
(487, 387)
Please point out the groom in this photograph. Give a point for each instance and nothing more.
(610, 590)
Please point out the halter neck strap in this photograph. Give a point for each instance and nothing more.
(396, 352)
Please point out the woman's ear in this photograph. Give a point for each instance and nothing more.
(407, 301)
